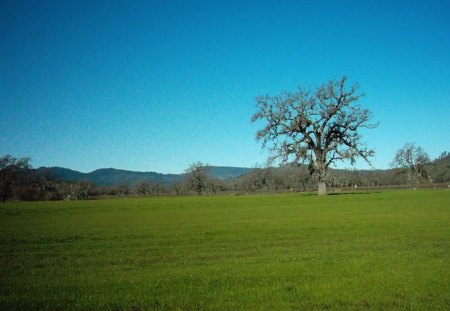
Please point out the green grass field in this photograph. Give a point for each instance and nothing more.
(374, 251)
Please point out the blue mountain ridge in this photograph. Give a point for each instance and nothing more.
(112, 176)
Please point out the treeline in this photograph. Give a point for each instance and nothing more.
(20, 182)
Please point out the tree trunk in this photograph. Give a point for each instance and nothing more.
(322, 172)
(322, 188)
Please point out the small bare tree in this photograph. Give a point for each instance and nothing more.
(122, 188)
(157, 188)
(143, 188)
(317, 128)
(414, 159)
(177, 187)
(197, 177)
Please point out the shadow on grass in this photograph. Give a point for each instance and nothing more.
(359, 192)
(341, 193)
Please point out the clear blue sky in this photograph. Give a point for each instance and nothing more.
(157, 85)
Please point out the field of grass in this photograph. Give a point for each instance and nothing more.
(374, 251)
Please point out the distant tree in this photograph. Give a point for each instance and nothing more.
(301, 178)
(177, 187)
(83, 190)
(143, 188)
(414, 160)
(318, 128)
(13, 173)
(157, 188)
(197, 177)
(440, 170)
(122, 188)
(33, 187)
(215, 185)
(443, 156)
(49, 186)
(258, 179)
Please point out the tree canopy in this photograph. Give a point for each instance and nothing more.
(414, 159)
(317, 127)
(197, 177)
(12, 173)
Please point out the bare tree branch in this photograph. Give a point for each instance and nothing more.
(414, 159)
(318, 128)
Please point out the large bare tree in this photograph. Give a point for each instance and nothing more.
(317, 127)
(414, 159)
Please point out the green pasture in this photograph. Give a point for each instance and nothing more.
(355, 251)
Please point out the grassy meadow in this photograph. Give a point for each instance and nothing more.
(355, 251)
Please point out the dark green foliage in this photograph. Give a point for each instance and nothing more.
(226, 172)
(14, 176)
(111, 176)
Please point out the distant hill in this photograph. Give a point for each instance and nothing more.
(112, 176)
(438, 171)
(227, 172)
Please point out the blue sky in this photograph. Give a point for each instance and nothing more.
(158, 85)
